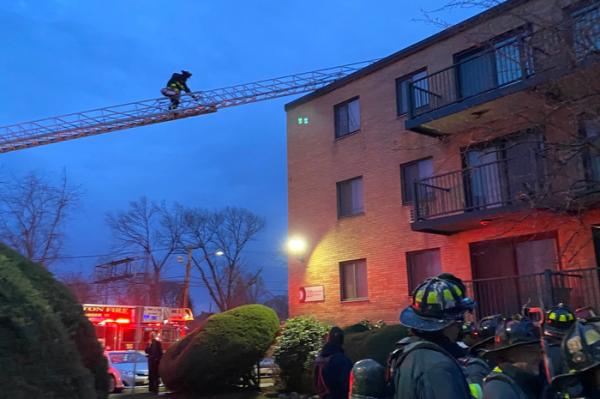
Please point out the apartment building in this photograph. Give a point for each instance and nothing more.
(471, 152)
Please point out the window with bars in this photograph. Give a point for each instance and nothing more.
(506, 60)
(411, 173)
(420, 91)
(586, 30)
(350, 197)
(590, 128)
(347, 117)
(353, 280)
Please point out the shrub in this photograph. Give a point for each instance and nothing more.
(222, 352)
(66, 307)
(44, 336)
(296, 349)
(375, 344)
(362, 326)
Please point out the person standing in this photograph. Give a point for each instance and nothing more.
(175, 86)
(154, 352)
(427, 365)
(332, 368)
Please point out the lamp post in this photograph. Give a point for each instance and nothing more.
(297, 246)
(186, 281)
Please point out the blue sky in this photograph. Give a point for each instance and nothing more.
(62, 56)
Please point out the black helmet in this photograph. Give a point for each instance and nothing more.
(518, 331)
(558, 320)
(367, 380)
(185, 73)
(486, 331)
(437, 303)
(581, 348)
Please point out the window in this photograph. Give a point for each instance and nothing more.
(591, 132)
(350, 197)
(498, 171)
(586, 30)
(507, 60)
(421, 265)
(347, 117)
(420, 91)
(353, 280)
(411, 173)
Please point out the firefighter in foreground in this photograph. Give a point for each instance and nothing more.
(426, 364)
(557, 322)
(517, 356)
(581, 351)
(175, 85)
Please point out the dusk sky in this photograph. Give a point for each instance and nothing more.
(62, 56)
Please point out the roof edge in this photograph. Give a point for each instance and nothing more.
(405, 52)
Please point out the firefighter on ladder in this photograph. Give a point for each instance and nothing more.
(175, 85)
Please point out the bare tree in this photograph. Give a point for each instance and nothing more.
(80, 286)
(219, 239)
(279, 303)
(154, 231)
(172, 294)
(33, 212)
(248, 289)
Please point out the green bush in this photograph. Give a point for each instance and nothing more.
(296, 349)
(47, 346)
(375, 344)
(222, 352)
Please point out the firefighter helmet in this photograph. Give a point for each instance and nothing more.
(437, 303)
(580, 348)
(558, 320)
(518, 331)
(185, 73)
(367, 380)
(486, 331)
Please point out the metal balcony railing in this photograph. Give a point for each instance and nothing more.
(483, 187)
(506, 295)
(507, 61)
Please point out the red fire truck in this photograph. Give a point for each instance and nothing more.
(129, 327)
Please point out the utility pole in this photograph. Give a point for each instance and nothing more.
(186, 281)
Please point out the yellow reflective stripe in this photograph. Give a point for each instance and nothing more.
(457, 290)
(476, 391)
(448, 295)
(562, 317)
(497, 369)
(552, 316)
(571, 317)
(419, 296)
(432, 298)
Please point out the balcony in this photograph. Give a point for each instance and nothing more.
(487, 84)
(521, 179)
(464, 199)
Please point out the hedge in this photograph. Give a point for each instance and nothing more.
(47, 347)
(222, 352)
(296, 349)
(375, 344)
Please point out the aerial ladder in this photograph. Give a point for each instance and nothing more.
(103, 120)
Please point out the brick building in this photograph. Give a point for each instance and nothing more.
(470, 152)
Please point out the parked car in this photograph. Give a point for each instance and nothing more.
(131, 365)
(115, 382)
(267, 367)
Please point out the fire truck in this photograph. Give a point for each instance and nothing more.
(129, 327)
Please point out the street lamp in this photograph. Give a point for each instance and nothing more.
(219, 252)
(297, 246)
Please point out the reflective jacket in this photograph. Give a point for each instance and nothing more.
(420, 369)
(178, 82)
(509, 382)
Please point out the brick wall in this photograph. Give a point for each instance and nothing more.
(382, 235)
